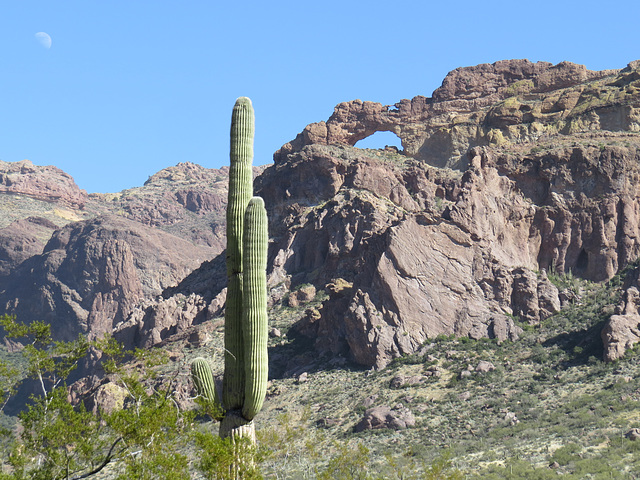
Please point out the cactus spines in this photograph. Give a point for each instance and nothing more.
(254, 309)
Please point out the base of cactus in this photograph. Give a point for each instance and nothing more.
(234, 425)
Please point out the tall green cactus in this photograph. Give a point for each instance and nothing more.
(245, 358)
(240, 192)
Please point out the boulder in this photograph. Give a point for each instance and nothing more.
(386, 417)
(622, 330)
(484, 367)
(400, 381)
(301, 296)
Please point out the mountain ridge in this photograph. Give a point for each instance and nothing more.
(509, 170)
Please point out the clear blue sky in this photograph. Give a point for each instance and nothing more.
(130, 87)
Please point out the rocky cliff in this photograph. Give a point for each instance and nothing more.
(508, 171)
(83, 262)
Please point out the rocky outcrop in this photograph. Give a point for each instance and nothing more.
(92, 274)
(186, 200)
(149, 325)
(44, 183)
(427, 252)
(23, 239)
(457, 240)
(511, 100)
(397, 418)
(416, 249)
(622, 330)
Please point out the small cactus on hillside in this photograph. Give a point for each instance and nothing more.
(206, 386)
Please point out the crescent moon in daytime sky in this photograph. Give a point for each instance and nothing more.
(44, 39)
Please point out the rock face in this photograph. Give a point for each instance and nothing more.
(92, 274)
(88, 263)
(508, 170)
(23, 239)
(43, 183)
(622, 330)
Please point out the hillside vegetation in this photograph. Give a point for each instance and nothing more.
(550, 407)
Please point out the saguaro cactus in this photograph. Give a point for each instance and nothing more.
(245, 357)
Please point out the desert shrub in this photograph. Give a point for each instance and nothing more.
(349, 463)
(566, 454)
(225, 460)
(515, 469)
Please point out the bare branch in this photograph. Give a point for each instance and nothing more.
(103, 464)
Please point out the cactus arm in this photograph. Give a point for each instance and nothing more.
(205, 384)
(240, 192)
(254, 310)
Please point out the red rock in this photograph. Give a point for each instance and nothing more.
(43, 183)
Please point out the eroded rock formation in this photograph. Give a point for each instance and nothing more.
(44, 183)
(511, 100)
(622, 330)
(508, 170)
(92, 274)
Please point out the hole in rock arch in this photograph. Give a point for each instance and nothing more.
(379, 140)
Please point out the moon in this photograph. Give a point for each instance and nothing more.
(44, 39)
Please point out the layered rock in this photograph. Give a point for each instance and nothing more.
(44, 183)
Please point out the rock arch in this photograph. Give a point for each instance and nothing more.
(380, 140)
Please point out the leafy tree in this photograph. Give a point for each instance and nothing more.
(58, 440)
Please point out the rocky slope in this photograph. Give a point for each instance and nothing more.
(92, 274)
(85, 262)
(508, 172)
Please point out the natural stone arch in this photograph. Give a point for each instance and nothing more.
(380, 140)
